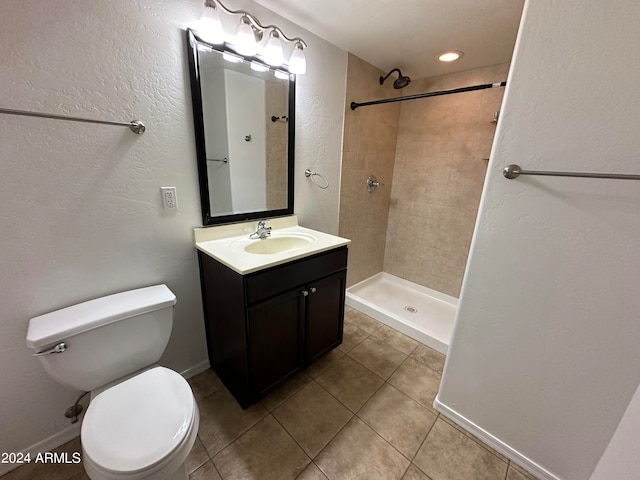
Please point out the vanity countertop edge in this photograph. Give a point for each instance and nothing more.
(217, 242)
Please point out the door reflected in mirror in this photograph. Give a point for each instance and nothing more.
(244, 135)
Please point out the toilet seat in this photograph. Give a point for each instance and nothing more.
(140, 426)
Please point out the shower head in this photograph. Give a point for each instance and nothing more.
(400, 82)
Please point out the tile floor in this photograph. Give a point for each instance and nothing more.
(364, 411)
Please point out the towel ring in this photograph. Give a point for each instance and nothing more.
(309, 174)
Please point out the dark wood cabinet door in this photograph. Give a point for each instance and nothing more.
(275, 339)
(325, 314)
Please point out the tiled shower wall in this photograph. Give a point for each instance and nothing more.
(276, 101)
(368, 149)
(430, 156)
(440, 164)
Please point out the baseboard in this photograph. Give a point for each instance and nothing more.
(46, 445)
(495, 443)
(196, 369)
(68, 434)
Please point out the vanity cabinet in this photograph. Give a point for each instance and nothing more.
(265, 326)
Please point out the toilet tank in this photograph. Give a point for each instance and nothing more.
(106, 338)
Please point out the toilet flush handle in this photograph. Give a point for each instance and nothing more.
(59, 348)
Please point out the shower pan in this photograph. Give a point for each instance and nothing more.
(419, 312)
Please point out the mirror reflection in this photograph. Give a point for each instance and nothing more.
(246, 136)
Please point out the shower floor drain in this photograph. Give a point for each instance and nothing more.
(411, 309)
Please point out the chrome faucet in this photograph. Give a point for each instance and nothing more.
(263, 231)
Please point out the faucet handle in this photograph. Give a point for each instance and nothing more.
(263, 224)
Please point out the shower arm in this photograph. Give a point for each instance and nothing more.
(382, 79)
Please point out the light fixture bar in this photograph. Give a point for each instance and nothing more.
(256, 24)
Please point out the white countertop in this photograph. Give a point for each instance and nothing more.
(226, 243)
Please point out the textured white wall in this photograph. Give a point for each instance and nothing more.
(81, 214)
(545, 352)
(319, 126)
(620, 461)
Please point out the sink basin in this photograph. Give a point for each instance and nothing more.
(279, 244)
(231, 246)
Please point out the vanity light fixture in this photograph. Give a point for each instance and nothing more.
(273, 51)
(258, 67)
(245, 41)
(280, 75)
(211, 26)
(450, 56)
(249, 36)
(230, 57)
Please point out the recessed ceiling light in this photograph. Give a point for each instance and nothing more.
(449, 56)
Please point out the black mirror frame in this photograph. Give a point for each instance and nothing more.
(193, 39)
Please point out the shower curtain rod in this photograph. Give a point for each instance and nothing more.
(355, 105)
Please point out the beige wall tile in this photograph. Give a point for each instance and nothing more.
(429, 154)
(369, 149)
(438, 177)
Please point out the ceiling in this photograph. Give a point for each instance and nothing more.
(408, 34)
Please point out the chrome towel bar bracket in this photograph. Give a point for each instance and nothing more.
(514, 171)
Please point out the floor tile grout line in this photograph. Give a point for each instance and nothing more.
(205, 451)
(377, 375)
(382, 325)
(336, 434)
(239, 435)
(356, 414)
(363, 339)
(215, 467)
(294, 441)
(387, 343)
(406, 469)
(432, 412)
(418, 343)
(287, 398)
(479, 442)
(425, 364)
(341, 403)
(246, 431)
(380, 340)
(345, 426)
(209, 459)
(424, 440)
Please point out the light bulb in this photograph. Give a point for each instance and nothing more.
(211, 26)
(273, 51)
(229, 57)
(450, 56)
(245, 42)
(297, 61)
(258, 68)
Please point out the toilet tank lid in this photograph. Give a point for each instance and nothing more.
(55, 326)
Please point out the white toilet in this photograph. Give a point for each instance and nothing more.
(143, 419)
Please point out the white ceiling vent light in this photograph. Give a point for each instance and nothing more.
(450, 56)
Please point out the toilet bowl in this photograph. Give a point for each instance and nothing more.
(142, 428)
(143, 419)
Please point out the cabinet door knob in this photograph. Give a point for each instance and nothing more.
(304, 293)
(313, 289)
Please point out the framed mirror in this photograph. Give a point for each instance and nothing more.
(244, 117)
